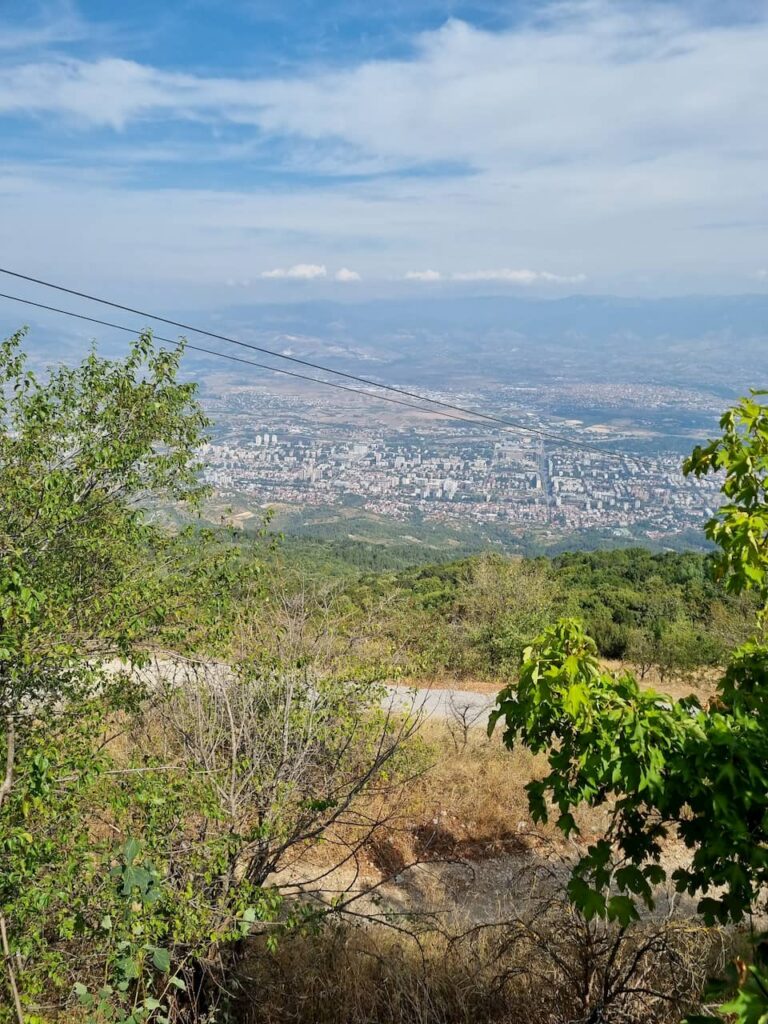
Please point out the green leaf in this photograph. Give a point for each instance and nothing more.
(622, 909)
(131, 851)
(576, 697)
(590, 902)
(161, 959)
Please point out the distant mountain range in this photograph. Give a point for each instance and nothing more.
(720, 342)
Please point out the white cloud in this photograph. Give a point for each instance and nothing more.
(58, 24)
(592, 78)
(298, 272)
(423, 275)
(525, 277)
(607, 136)
(177, 243)
(346, 275)
(761, 275)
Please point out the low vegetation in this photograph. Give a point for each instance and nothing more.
(665, 614)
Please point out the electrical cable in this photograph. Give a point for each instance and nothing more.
(607, 452)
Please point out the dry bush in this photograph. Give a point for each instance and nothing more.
(560, 971)
(600, 973)
(288, 759)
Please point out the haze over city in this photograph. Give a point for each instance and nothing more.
(553, 212)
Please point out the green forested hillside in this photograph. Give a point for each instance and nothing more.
(474, 615)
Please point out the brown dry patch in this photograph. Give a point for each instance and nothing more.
(702, 683)
(474, 792)
(473, 804)
(469, 805)
(463, 684)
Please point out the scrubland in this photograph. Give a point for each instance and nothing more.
(210, 812)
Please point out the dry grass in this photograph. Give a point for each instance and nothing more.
(556, 971)
(455, 800)
(472, 802)
(461, 683)
(452, 834)
(701, 682)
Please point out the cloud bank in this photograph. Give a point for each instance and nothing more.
(423, 275)
(524, 277)
(298, 272)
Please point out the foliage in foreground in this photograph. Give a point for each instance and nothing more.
(139, 852)
(146, 802)
(666, 768)
(83, 577)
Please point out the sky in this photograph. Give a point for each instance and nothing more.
(206, 153)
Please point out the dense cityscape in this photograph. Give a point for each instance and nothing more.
(296, 451)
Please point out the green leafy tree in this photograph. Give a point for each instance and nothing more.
(503, 602)
(86, 453)
(84, 576)
(665, 768)
(81, 453)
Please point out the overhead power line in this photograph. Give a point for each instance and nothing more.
(262, 366)
(476, 413)
(247, 362)
(236, 359)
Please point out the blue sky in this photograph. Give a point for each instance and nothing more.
(216, 152)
